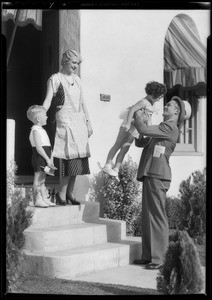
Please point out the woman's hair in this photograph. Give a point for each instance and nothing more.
(155, 89)
(68, 55)
(33, 111)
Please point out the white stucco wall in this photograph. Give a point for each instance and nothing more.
(122, 50)
(10, 150)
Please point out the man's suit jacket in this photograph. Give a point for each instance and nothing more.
(158, 146)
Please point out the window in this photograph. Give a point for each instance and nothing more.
(185, 76)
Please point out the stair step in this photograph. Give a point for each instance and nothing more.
(63, 215)
(74, 235)
(65, 236)
(70, 263)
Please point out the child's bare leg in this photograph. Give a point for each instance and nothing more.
(117, 145)
(36, 184)
(124, 149)
(42, 185)
(37, 189)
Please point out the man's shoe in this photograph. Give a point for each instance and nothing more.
(152, 266)
(141, 262)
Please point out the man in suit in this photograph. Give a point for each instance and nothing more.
(155, 173)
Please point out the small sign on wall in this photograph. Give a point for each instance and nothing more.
(104, 97)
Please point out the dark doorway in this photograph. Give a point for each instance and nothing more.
(34, 57)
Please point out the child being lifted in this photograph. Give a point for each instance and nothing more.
(127, 132)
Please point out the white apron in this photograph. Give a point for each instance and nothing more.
(71, 137)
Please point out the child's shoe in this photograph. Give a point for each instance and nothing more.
(48, 202)
(113, 172)
(39, 202)
(107, 168)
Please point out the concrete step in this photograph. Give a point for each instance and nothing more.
(63, 237)
(63, 215)
(67, 241)
(74, 235)
(70, 263)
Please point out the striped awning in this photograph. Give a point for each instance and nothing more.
(23, 17)
(184, 53)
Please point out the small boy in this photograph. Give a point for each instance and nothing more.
(42, 160)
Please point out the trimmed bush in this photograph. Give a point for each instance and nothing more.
(119, 200)
(188, 210)
(18, 218)
(181, 272)
(193, 202)
(174, 212)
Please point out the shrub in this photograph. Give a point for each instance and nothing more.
(181, 271)
(193, 203)
(120, 200)
(18, 218)
(95, 188)
(188, 210)
(174, 212)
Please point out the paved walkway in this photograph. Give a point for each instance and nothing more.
(132, 275)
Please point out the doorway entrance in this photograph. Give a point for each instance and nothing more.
(34, 58)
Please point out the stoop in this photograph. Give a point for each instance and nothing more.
(69, 241)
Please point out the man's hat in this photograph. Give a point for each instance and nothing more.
(185, 109)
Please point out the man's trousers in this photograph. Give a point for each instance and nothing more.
(155, 228)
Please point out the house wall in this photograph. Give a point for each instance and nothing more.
(69, 31)
(122, 50)
(69, 38)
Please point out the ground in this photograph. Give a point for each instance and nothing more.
(37, 285)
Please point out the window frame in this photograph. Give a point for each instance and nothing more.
(196, 145)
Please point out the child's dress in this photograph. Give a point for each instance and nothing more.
(38, 162)
(147, 112)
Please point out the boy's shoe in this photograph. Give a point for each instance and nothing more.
(40, 203)
(48, 202)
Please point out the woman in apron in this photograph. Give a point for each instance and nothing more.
(73, 126)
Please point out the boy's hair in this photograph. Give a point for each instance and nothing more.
(33, 111)
(155, 89)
